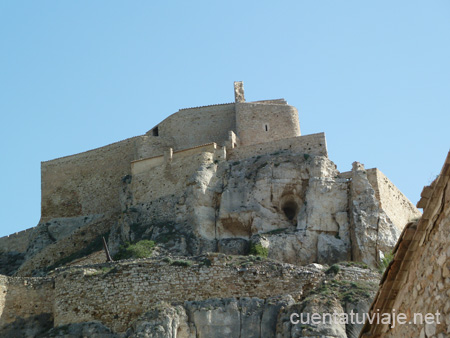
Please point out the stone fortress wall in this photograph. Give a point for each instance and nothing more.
(17, 242)
(119, 293)
(398, 208)
(142, 165)
(169, 178)
(314, 144)
(194, 126)
(26, 298)
(87, 183)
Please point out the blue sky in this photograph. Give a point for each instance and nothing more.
(76, 75)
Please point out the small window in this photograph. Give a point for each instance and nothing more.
(266, 127)
(155, 131)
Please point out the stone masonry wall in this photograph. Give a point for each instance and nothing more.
(17, 242)
(25, 302)
(427, 284)
(119, 294)
(169, 178)
(258, 123)
(85, 183)
(314, 144)
(194, 126)
(145, 164)
(398, 208)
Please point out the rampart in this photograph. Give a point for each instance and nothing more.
(314, 144)
(398, 208)
(156, 177)
(126, 290)
(142, 165)
(193, 126)
(396, 205)
(17, 242)
(85, 183)
(118, 293)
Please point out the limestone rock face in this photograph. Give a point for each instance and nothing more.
(308, 328)
(163, 321)
(331, 249)
(227, 317)
(341, 301)
(55, 230)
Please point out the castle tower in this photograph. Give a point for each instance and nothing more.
(263, 121)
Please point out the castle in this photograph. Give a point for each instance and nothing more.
(210, 182)
(88, 183)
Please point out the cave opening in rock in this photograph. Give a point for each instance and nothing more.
(290, 209)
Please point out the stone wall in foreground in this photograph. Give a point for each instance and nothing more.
(119, 293)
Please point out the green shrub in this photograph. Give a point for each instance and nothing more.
(181, 262)
(141, 249)
(334, 269)
(258, 250)
(168, 260)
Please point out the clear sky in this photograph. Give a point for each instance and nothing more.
(76, 75)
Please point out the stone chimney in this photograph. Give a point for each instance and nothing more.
(239, 91)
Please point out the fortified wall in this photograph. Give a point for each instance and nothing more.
(118, 293)
(27, 300)
(398, 208)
